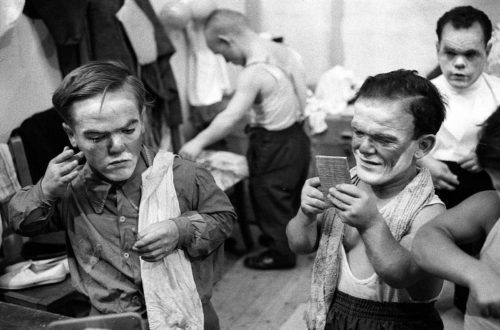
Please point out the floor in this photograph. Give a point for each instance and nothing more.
(251, 299)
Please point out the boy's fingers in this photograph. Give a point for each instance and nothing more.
(68, 167)
(70, 176)
(142, 240)
(63, 156)
(314, 182)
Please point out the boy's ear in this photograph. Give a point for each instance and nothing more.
(488, 46)
(224, 39)
(144, 119)
(70, 134)
(425, 145)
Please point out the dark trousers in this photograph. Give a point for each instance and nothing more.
(351, 313)
(470, 183)
(278, 162)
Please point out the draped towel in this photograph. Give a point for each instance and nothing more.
(399, 214)
(172, 301)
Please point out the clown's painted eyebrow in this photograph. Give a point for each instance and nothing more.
(130, 123)
(377, 137)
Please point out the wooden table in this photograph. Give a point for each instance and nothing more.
(20, 317)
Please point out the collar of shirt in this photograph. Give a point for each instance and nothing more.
(97, 188)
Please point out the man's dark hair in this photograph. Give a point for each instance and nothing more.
(463, 18)
(418, 96)
(488, 146)
(93, 79)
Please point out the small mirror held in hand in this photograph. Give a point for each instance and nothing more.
(332, 170)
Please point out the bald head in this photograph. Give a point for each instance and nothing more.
(227, 33)
(226, 22)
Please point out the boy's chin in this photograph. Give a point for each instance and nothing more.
(119, 175)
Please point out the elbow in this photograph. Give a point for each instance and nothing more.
(398, 276)
(298, 243)
(419, 246)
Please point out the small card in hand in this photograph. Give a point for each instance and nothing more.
(332, 170)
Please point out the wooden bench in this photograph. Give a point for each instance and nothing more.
(19, 317)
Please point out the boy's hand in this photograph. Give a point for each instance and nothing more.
(355, 207)
(312, 202)
(190, 150)
(442, 177)
(157, 241)
(61, 170)
(470, 163)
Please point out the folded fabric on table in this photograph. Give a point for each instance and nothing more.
(226, 167)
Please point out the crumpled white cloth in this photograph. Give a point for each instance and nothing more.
(226, 167)
(10, 11)
(334, 89)
(208, 79)
(172, 301)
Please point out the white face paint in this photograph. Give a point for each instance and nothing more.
(383, 143)
(108, 133)
(462, 54)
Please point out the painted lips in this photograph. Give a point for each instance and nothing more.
(119, 163)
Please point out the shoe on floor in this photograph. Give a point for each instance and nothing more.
(38, 263)
(266, 261)
(265, 240)
(33, 273)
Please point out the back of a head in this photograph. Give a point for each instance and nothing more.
(488, 147)
(93, 79)
(226, 21)
(418, 96)
(463, 18)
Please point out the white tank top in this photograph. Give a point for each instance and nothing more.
(280, 109)
(490, 255)
(373, 288)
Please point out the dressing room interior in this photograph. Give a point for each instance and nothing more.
(292, 165)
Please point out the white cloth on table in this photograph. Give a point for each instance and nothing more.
(226, 167)
(334, 89)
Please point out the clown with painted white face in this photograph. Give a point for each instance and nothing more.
(108, 130)
(127, 209)
(462, 46)
(363, 255)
